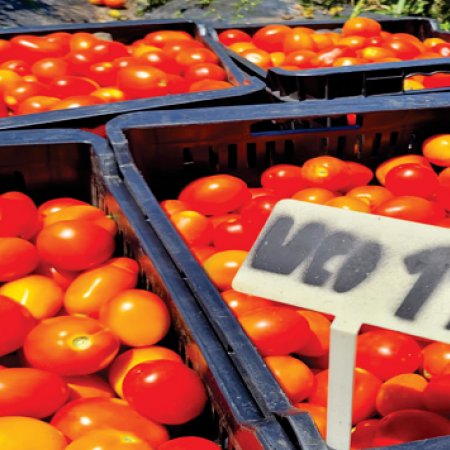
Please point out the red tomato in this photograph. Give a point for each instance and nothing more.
(172, 48)
(103, 73)
(31, 393)
(63, 278)
(34, 48)
(109, 95)
(361, 176)
(48, 68)
(232, 36)
(222, 267)
(365, 390)
(22, 68)
(319, 341)
(240, 47)
(326, 58)
(414, 209)
(170, 207)
(443, 196)
(127, 61)
(80, 42)
(203, 252)
(300, 59)
(80, 417)
(191, 56)
(361, 26)
(142, 81)
(6, 52)
(205, 71)
(363, 433)
(71, 346)
(209, 85)
(258, 57)
(270, 38)
(384, 168)
(160, 38)
(436, 357)
(314, 195)
(19, 258)
(110, 439)
(16, 94)
(327, 172)
(165, 391)
(189, 443)
(349, 204)
(60, 38)
(402, 49)
(161, 61)
(387, 353)
(240, 303)
(343, 62)
(195, 228)
(354, 42)
(77, 102)
(56, 205)
(437, 394)
(374, 196)
(37, 104)
(284, 179)
(276, 330)
(106, 51)
(69, 86)
(299, 40)
(18, 216)
(258, 210)
(15, 323)
(235, 235)
(217, 220)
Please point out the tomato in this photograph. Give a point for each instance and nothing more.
(414, 209)
(361, 176)
(343, 62)
(429, 55)
(217, 194)
(18, 93)
(284, 179)
(407, 426)
(322, 41)
(276, 330)
(318, 415)
(80, 417)
(436, 395)
(232, 36)
(240, 303)
(127, 61)
(363, 433)
(172, 48)
(49, 68)
(258, 57)
(314, 195)
(34, 48)
(384, 168)
(295, 41)
(31, 393)
(165, 391)
(270, 38)
(131, 358)
(60, 38)
(31, 434)
(301, 59)
(194, 228)
(80, 42)
(240, 47)
(353, 42)
(57, 204)
(142, 81)
(106, 51)
(376, 54)
(9, 79)
(365, 390)
(205, 71)
(387, 353)
(161, 61)
(5, 50)
(327, 172)
(109, 95)
(103, 73)
(71, 346)
(349, 204)
(319, 341)
(294, 376)
(170, 207)
(160, 38)
(88, 386)
(361, 26)
(70, 86)
(37, 104)
(190, 56)
(236, 235)
(209, 85)
(373, 196)
(137, 317)
(19, 258)
(442, 49)
(18, 216)
(22, 68)
(217, 220)
(437, 150)
(257, 211)
(203, 252)
(108, 440)
(222, 267)
(402, 49)
(436, 357)
(436, 81)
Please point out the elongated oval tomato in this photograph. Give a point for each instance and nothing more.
(57, 204)
(19, 258)
(19, 216)
(109, 439)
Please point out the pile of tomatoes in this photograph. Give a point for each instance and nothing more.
(402, 393)
(79, 364)
(64, 71)
(362, 42)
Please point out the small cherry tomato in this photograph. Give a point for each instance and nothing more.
(270, 38)
(142, 81)
(353, 42)
(222, 267)
(236, 235)
(57, 204)
(232, 36)
(103, 73)
(327, 172)
(414, 209)
(374, 196)
(361, 26)
(240, 303)
(258, 57)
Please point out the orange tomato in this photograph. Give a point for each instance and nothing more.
(131, 358)
(137, 317)
(318, 415)
(109, 440)
(57, 204)
(240, 47)
(361, 26)
(327, 172)
(353, 42)
(222, 267)
(300, 59)
(241, 303)
(258, 57)
(374, 54)
(322, 41)
(87, 386)
(347, 61)
(203, 252)
(373, 196)
(63, 278)
(432, 42)
(110, 95)
(436, 357)
(19, 258)
(195, 228)
(314, 195)
(319, 341)
(436, 149)
(384, 168)
(277, 58)
(170, 207)
(209, 85)
(296, 40)
(160, 38)
(411, 85)
(8, 79)
(271, 38)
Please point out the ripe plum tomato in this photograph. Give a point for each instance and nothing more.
(88, 386)
(361, 176)
(401, 392)
(412, 179)
(172, 48)
(299, 40)
(414, 209)
(217, 194)
(160, 38)
(411, 425)
(77, 102)
(194, 228)
(437, 150)
(258, 57)
(19, 258)
(294, 376)
(121, 63)
(437, 394)
(31, 393)
(161, 61)
(300, 59)
(238, 234)
(437, 80)
(60, 38)
(361, 26)
(15, 323)
(35, 48)
(37, 104)
(240, 303)
(22, 68)
(205, 71)
(232, 36)
(384, 168)
(270, 38)
(137, 317)
(8, 79)
(349, 204)
(314, 195)
(190, 56)
(165, 391)
(171, 207)
(75, 244)
(318, 415)
(222, 267)
(376, 54)
(49, 68)
(80, 417)
(319, 341)
(109, 95)
(189, 443)
(277, 59)
(353, 42)
(109, 440)
(71, 345)
(16, 94)
(240, 47)
(28, 433)
(436, 357)
(327, 172)
(284, 179)
(57, 204)
(343, 62)
(80, 42)
(443, 196)
(131, 358)
(209, 85)
(326, 58)
(258, 210)
(70, 86)
(387, 353)
(276, 330)
(402, 49)
(103, 73)
(374, 196)
(142, 81)
(362, 434)
(365, 391)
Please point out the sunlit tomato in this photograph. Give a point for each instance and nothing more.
(70, 86)
(161, 61)
(232, 36)
(28, 292)
(77, 102)
(361, 26)
(160, 38)
(436, 395)
(407, 426)
(195, 228)
(270, 38)
(34, 48)
(127, 61)
(80, 42)
(402, 49)
(209, 85)
(384, 168)
(15, 323)
(217, 194)
(71, 345)
(414, 209)
(9, 79)
(365, 390)
(349, 204)
(240, 47)
(165, 391)
(5, 50)
(172, 48)
(18, 93)
(60, 38)
(430, 43)
(88, 386)
(361, 176)
(375, 54)
(79, 63)
(258, 210)
(93, 288)
(204, 71)
(22, 68)
(48, 68)
(240, 303)
(300, 59)
(103, 73)
(58, 204)
(19, 258)
(284, 179)
(436, 357)
(276, 330)
(374, 196)
(75, 244)
(109, 440)
(131, 358)
(387, 353)
(104, 51)
(80, 417)
(191, 56)
(170, 207)
(222, 267)
(176, 85)
(319, 341)
(31, 393)
(142, 81)
(37, 104)
(353, 42)
(318, 415)
(189, 443)
(28, 433)
(322, 41)
(327, 172)
(109, 95)
(436, 149)
(217, 220)
(343, 62)
(258, 57)
(314, 195)
(442, 49)
(298, 40)
(238, 234)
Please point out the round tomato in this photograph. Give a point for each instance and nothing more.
(109, 440)
(103, 73)
(353, 42)
(327, 172)
(19, 216)
(217, 220)
(205, 71)
(9, 79)
(165, 391)
(374, 196)
(319, 341)
(437, 394)
(437, 150)
(232, 36)
(240, 303)
(88, 386)
(222, 267)
(414, 209)
(19, 258)
(436, 357)
(60, 38)
(142, 81)
(284, 179)
(270, 38)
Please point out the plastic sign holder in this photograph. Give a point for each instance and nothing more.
(360, 268)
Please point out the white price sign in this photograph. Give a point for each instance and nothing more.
(361, 268)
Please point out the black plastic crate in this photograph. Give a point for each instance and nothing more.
(246, 90)
(158, 156)
(54, 163)
(353, 81)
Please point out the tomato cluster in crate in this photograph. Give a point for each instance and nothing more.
(79, 364)
(399, 381)
(362, 42)
(65, 71)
